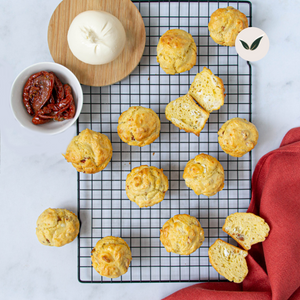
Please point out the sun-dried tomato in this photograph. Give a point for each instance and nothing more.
(58, 89)
(63, 110)
(70, 113)
(40, 119)
(51, 100)
(60, 104)
(37, 91)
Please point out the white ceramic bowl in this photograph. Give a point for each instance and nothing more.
(19, 110)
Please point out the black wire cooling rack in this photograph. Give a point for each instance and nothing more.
(103, 206)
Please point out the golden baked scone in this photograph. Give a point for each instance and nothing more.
(111, 257)
(204, 175)
(186, 114)
(208, 90)
(57, 227)
(138, 126)
(146, 185)
(225, 25)
(182, 234)
(237, 137)
(89, 152)
(246, 228)
(229, 261)
(176, 51)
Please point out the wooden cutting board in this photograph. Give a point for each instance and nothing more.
(99, 75)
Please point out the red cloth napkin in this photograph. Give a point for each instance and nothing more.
(274, 265)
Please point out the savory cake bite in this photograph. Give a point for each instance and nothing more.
(176, 51)
(204, 175)
(138, 126)
(89, 152)
(57, 227)
(229, 261)
(246, 228)
(111, 257)
(185, 114)
(237, 137)
(146, 185)
(208, 90)
(182, 234)
(225, 25)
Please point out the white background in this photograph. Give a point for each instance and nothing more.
(32, 176)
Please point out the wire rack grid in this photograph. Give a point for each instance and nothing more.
(103, 206)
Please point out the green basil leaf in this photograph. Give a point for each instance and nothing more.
(256, 43)
(245, 45)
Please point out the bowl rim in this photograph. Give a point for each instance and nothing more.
(78, 107)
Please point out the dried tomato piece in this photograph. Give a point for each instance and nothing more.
(37, 91)
(38, 119)
(51, 100)
(46, 98)
(44, 115)
(58, 89)
(70, 113)
(63, 110)
(66, 106)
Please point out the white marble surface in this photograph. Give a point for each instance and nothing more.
(33, 173)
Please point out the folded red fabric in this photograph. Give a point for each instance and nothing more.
(274, 265)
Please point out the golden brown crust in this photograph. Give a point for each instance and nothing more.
(246, 228)
(225, 25)
(111, 257)
(237, 137)
(229, 261)
(138, 126)
(182, 234)
(89, 152)
(57, 227)
(208, 90)
(146, 185)
(204, 175)
(185, 114)
(176, 51)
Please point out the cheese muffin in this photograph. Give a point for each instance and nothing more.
(57, 227)
(111, 257)
(89, 152)
(176, 51)
(225, 25)
(246, 228)
(237, 137)
(146, 185)
(208, 90)
(138, 126)
(185, 114)
(182, 234)
(204, 175)
(229, 261)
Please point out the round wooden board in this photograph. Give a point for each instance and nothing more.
(97, 75)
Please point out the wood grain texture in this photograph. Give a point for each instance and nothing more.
(97, 75)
